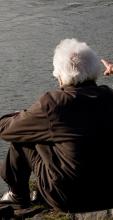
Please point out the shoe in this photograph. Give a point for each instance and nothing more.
(37, 199)
(15, 201)
(34, 195)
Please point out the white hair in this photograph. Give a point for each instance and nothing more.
(75, 62)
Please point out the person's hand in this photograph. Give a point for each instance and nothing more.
(108, 66)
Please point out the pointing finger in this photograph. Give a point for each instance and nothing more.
(106, 64)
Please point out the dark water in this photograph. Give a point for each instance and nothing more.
(29, 31)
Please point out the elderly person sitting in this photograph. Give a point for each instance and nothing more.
(64, 138)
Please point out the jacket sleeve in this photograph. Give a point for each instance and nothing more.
(28, 125)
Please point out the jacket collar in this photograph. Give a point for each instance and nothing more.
(79, 85)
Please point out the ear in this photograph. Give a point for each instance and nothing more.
(74, 59)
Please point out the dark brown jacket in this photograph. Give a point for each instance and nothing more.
(72, 130)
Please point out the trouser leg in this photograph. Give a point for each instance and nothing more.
(17, 167)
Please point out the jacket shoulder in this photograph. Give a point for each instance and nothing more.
(106, 90)
(50, 100)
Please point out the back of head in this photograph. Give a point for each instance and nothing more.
(75, 62)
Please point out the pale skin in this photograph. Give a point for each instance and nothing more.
(108, 67)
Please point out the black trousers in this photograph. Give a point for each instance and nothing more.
(22, 159)
(18, 165)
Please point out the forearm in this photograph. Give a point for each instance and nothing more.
(27, 125)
